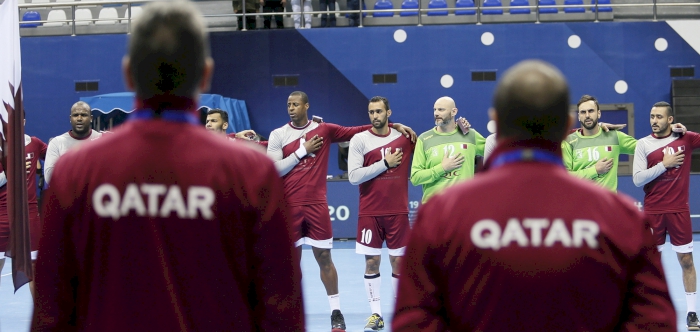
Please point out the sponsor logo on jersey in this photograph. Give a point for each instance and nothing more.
(488, 234)
(464, 146)
(608, 148)
(153, 200)
(452, 174)
(427, 137)
(579, 154)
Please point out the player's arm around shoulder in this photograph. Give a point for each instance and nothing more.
(694, 139)
(340, 133)
(627, 143)
(480, 143)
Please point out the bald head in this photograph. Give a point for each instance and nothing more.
(81, 105)
(444, 112)
(168, 50)
(81, 119)
(532, 101)
(445, 102)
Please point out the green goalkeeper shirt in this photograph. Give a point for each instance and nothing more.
(432, 147)
(581, 153)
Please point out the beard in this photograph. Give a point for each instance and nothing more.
(215, 129)
(589, 127)
(660, 128)
(380, 124)
(443, 122)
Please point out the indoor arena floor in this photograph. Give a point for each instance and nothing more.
(15, 309)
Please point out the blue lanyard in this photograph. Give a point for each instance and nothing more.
(528, 155)
(174, 116)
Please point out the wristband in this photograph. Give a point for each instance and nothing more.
(386, 164)
(300, 152)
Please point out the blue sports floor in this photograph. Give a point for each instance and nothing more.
(15, 309)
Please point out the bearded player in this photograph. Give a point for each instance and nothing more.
(376, 163)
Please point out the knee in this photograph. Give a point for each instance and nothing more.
(372, 265)
(323, 257)
(687, 261)
(395, 261)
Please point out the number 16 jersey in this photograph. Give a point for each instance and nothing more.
(383, 191)
(581, 153)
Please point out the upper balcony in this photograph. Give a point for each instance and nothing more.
(68, 17)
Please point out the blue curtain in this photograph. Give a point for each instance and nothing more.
(124, 102)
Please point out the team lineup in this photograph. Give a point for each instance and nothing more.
(124, 211)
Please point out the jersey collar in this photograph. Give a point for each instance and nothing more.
(507, 146)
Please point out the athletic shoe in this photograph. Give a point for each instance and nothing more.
(337, 321)
(374, 323)
(692, 322)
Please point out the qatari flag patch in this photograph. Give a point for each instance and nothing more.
(608, 148)
(464, 146)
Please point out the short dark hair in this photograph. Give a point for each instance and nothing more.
(377, 99)
(532, 101)
(304, 97)
(168, 49)
(224, 115)
(669, 109)
(586, 98)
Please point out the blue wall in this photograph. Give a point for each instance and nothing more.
(335, 68)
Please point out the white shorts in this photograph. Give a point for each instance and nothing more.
(323, 244)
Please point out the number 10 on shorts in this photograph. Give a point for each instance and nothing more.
(366, 236)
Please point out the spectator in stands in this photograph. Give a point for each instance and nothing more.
(296, 7)
(274, 6)
(354, 18)
(251, 7)
(327, 5)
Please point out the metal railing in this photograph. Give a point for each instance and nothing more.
(418, 13)
(73, 6)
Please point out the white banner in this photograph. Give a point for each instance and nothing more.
(10, 56)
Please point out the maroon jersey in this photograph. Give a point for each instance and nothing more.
(305, 179)
(527, 246)
(232, 136)
(160, 232)
(34, 150)
(665, 189)
(382, 191)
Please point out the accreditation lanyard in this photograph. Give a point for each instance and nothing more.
(173, 116)
(527, 155)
